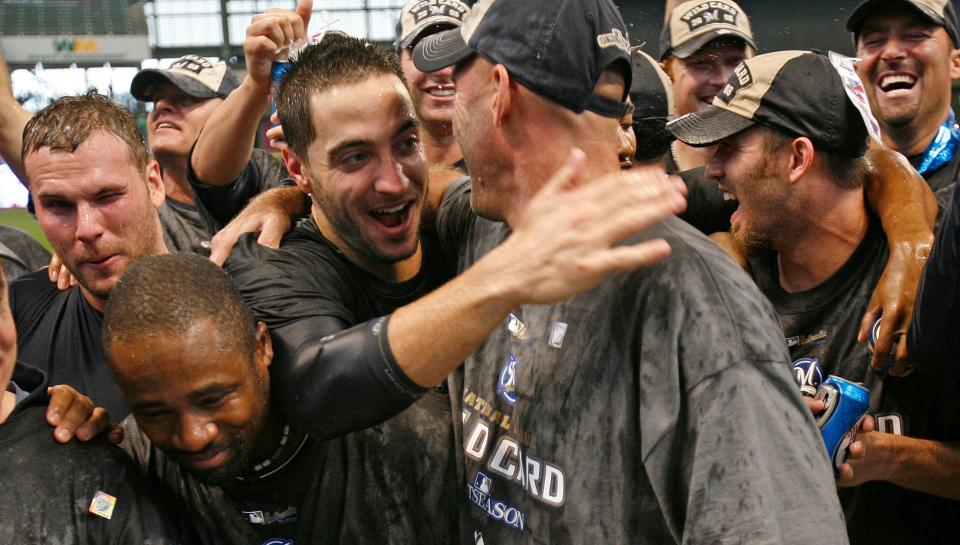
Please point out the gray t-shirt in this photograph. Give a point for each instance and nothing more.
(658, 407)
(822, 323)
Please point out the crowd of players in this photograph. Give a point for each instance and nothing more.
(470, 306)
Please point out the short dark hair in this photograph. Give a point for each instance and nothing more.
(169, 293)
(67, 122)
(336, 60)
(845, 171)
(653, 138)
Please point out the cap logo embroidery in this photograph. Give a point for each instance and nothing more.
(743, 79)
(614, 38)
(192, 63)
(708, 13)
(431, 8)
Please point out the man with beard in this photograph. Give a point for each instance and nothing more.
(791, 148)
(96, 193)
(193, 365)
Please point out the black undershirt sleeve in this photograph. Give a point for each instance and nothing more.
(331, 384)
(932, 339)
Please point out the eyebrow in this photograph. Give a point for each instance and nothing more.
(113, 188)
(411, 123)
(199, 393)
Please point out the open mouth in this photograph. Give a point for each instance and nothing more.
(394, 216)
(897, 82)
(442, 91)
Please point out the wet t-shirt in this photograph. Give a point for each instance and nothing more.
(658, 407)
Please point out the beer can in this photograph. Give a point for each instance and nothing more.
(846, 404)
(808, 374)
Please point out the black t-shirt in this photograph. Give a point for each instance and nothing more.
(48, 488)
(309, 288)
(658, 407)
(189, 228)
(60, 333)
(27, 254)
(822, 323)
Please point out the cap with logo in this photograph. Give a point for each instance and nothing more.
(651, 91)
(796, 92)
(194, 75)
(694, 24)
(940, 12)
(556, 49)
(420, 16)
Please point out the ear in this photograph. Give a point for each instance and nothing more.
(263, 347)
(503, 99)
(296, 170)
(155, 188)
(955, 64)
(801, 158)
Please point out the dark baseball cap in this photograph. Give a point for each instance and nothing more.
(796, 92)
(420, 16)
(556, 49)
(651, 91)
(692, 25)
(940, 12)
(194, 75)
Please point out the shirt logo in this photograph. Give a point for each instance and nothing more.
(284, 516)
(507, 382)
(478, 494)
(557, 335)
(103, 504)
(710, 13)
(278, 541)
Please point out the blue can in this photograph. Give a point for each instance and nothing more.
(809, 376)
(846, 404)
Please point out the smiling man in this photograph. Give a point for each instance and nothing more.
(909, 63)
(184, 97)
(96, 193)
(791, 148)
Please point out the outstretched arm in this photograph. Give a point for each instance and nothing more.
(13, 118)
(907, 209)
(237, 119)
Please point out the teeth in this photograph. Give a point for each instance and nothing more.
(164, 126)
(393, 210)
(897, 80)
(440, 92)
(727, 196)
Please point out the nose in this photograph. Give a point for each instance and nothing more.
(391, 179)
(444, 74)
(89, 223)
(164, 104)
(625, 148)
(714, 169)
(720, 74)
(893, 49)
(194, 433)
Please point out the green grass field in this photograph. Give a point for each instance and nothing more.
(21, 219)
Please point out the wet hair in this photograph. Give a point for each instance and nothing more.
(845, 171)
(653, 138)
(170, 293)
(336, 60)
(68, 121)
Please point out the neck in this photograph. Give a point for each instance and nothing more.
(439, 144)
(7, 402)
(688, 157)
(816, 247)
(175, 182)
(396, 271)
(912, 139)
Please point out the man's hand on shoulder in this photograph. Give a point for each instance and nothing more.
(73, 414)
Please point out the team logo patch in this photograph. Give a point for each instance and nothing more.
(710, 13)
(614, 38)
(103, 505)
(516, 328)
(507, 381)
(809, 375)
(478, 494)
(278, 541)
(743, 79)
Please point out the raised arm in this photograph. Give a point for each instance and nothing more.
(13, 118)
(237, 119)
(907, 209)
